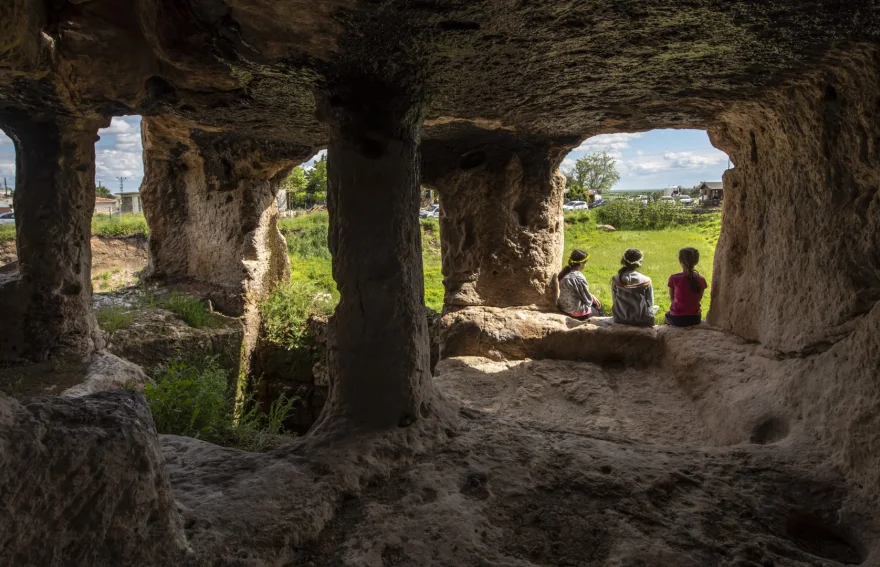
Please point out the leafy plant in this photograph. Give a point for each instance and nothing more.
(286, 311)
(111, 318)
(119, 225)
(196, 401)
(630, 214)
(7, 233)
(192, 310)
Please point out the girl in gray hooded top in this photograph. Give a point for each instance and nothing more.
(575, 299)
(632, 293)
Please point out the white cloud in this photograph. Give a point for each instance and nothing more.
(7, 168)
(675, 160)
(5, 140)
(611, 143)
(124, 157)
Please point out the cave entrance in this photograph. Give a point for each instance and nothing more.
(657, 191)
(7, 190)
(119, 228)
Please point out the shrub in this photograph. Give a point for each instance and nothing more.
(119, 225)
(196, 401)
(626, 214)
(286, 311)
(192, 310)
(7, 233)
(111, 318)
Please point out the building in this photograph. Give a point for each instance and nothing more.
(5, 204)
(130, 202)
(673, 191)
(105, 206)
(711, 192)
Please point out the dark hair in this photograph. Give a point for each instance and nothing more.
(577, 257)
(690, 257)
(631, 260)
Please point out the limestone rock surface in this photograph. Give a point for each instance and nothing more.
(84, 483)
(107, 372)
(515, 334)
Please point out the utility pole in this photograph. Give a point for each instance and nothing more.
(121, 182)
(5, 188)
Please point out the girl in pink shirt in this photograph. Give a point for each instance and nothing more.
(686, 290)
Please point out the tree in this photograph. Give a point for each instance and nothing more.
(317, 177)
(594, 172)
(101, 191)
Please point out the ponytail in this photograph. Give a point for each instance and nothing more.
(689, 257)
(565, 271)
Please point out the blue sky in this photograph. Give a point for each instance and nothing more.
(656, 159)
(648, 160)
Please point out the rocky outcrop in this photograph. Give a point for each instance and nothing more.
(84, 483)
(107, 372)
(799, 255)
(54, 200)
(210, 204)
(501, 218)
(515, 334)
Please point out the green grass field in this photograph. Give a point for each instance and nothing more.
(310, 260)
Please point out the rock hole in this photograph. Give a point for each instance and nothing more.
(471, 160)
(754, 147)
(424, 411)
(522, 210)
(830, 94)
(824, 540)
(476, 486)
(456, 25)
(392, 555)
(769, 430)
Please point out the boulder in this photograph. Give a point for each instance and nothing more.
(84, 483)
(107, 372)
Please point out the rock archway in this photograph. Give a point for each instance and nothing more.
(481, 101)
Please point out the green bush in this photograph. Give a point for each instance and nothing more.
(192, 310)
(626, 214)
(307, 235)
(286, 311)
(196, 401)
(119, 225)
(111, 318)
(7, 233)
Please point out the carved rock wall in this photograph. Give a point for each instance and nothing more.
(54, 201)
(799, 255)
(500, 220)
(210, 203)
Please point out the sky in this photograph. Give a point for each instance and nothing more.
(657, 159)
(648, 160)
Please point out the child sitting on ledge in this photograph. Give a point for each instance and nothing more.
(575, 299)
(686, 291)
(632, 293)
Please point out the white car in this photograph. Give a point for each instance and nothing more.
(685, 200)
(575, 206)
(7, 218)
(432, 212)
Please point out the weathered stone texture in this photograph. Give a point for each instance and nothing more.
(54, 200)
(799, 254)
(210, 203)
(84, 483)
(501, 220)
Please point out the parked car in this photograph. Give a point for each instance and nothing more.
(597, 203)
(667, 199)
(575, 206)
(685, 200)
(7, 218)
(432, 212)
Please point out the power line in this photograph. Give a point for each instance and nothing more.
(121, 182)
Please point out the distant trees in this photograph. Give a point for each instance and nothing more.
(101, 191)
(307, 187)
(593, 172)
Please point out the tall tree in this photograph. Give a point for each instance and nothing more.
(317, 177)
(595, 172)
(101, 191)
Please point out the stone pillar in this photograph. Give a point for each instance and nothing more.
(798, 261)
(210, 203)
(501, 223)
(54, 202)
(379, 354)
